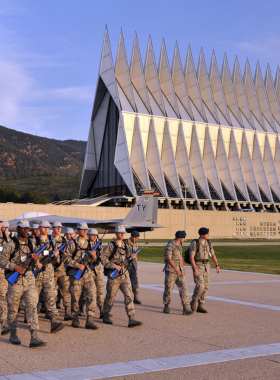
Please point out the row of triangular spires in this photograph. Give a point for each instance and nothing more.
(190, 94)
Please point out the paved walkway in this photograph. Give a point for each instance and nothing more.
(220, 243)
(238, 339)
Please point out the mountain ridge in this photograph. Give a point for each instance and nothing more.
(25, 157)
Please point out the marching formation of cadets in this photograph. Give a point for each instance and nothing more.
(48, 267)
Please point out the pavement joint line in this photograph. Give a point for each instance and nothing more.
(222, 299)
(228, 282)
(150, 365)
(160, 265)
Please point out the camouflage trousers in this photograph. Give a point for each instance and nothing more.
(24, 288)
(99, 286)
(133, 278)
(85, 288)
(45, 282)
(112, 287)
(170, 280)
(3, 293)
(62, 284)
(201, 282)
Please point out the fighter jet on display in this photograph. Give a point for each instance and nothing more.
(142, 217)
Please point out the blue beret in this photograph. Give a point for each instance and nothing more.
(203, 231)
(135, 234)
(180, 234)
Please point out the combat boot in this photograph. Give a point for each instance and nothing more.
(200, 308)
(187, 311)
(47, 315)
(75, 321)
(5, 328)
(193, 305)
(35, 341)
(14, 339)
(166, 309)
(136, 299)
(133, 323)
(89, 324)
(101, 313)
(43, 309)
(56, 326)
(106, 319)
(81, 311)
(68, 315)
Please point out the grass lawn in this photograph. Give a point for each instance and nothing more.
(259, 259)
(213, 240)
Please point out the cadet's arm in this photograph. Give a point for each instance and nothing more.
(214, 258)
(5, 258)
(171, 263)
(195, 271)
(183, 266)
(67, 257)
(105, 258)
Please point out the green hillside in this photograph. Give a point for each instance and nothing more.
(33, 164)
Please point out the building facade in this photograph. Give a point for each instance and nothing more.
(207, 138)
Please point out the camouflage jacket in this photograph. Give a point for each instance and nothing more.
(174, 250)
(133, 247)
(57, 243)
(99, 252)
(76, 251)
(203, 252)
(115, 254)
(48, 267)
(9, 257)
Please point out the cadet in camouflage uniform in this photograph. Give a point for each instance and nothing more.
(44, 279)
(12, 257)
(35, 231)
(198, 254)
(61, 279)
(114, 254)
(175, 273)
(73, 257)
(132, 268)
(5, 230)
(98, 277)
(4, 238)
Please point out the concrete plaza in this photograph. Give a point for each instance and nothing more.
(238, 339)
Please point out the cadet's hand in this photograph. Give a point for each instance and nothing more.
(35, 257)
(101, 252)
(195, 273)
(19, 269)
(56, 253)
(218, 269)
(93, 253)
(91, 267)
(81, 266)
(134, 256)
(40, 266)
(184, 272)
(178, 272)
(118, 267)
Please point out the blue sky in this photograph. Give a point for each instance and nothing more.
(50, 49)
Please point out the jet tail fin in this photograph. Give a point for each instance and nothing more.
(142, 211)
(155, 208)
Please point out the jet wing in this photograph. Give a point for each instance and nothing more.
(142, 217)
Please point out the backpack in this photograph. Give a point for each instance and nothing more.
(187, 252)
